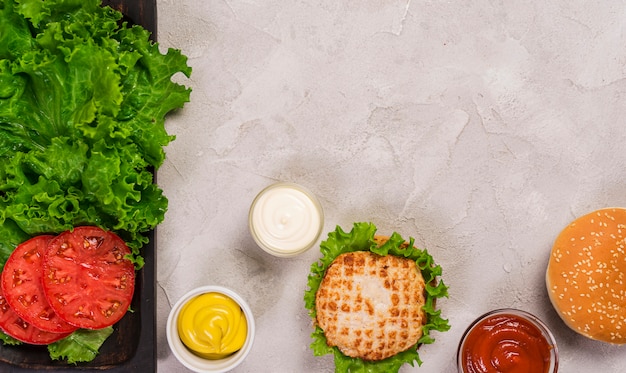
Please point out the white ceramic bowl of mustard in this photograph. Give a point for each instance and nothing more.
(195, 362)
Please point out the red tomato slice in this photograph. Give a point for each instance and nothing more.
(22, 288)
(87, 279)
(14, 326)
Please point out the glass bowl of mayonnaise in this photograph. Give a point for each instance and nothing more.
(210, 329)
(285, 219)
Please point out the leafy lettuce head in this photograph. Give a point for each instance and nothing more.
(83, 100)
(361, 238)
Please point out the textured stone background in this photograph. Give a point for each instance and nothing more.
(481, 128)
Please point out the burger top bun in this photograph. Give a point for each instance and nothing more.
(586, 276)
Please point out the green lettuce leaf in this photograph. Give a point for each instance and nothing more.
(361, 238)
(81, 346)
(8, 340)
(83, 100)
(11, 237)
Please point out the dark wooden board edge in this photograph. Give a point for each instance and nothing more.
(139, 12)
(141, 357)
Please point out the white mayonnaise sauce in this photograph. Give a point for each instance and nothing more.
(285, 219)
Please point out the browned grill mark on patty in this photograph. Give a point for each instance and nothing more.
(370, 306)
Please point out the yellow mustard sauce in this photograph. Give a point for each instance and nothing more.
(212, 325)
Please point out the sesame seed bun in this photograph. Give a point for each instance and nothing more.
(586, 276)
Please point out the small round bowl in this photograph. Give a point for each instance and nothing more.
(195, 362)
(285, 219)
(511, 338)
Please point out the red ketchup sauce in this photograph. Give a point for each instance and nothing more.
(505, 343)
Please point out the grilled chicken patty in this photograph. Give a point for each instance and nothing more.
(370, 306)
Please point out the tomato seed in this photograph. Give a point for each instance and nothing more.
(34, 252)
(27, 301)
(46, 314)
(61, 299)
(63, 280)
(4, 306)
(21, 323)
(93, 242)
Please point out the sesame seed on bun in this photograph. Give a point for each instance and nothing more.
(586, 276)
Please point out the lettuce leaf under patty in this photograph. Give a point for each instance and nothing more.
(361, 238)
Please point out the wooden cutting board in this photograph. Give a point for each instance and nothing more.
(132, 346)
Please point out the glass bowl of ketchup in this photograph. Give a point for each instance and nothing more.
(507, 341)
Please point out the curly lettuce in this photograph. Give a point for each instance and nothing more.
(80, 346)
(361, 238)
(83, 100)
